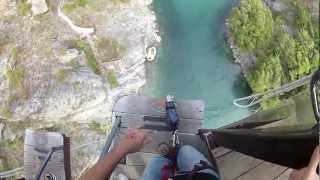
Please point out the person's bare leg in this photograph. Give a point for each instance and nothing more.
(309, 172)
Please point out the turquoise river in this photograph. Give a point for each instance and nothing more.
(194, 61)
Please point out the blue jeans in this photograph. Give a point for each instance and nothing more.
(187, 158)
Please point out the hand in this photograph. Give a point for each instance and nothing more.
(134, 140)
(309, 172)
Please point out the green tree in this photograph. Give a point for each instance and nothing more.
(303, 18)
(267, 76)
(278, 42)
(301, 65)
(315, 60)
(285, 46)
(23, 7)
(251, 24)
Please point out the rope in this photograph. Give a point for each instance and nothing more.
(252, 100)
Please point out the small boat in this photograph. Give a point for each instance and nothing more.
(151, 53)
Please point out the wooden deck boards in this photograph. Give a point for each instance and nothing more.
(139, 111)
(139, 158)
(284, 175)
(138, 121)
(264, 171)
(141, 105)
(220, 151)
(237, 166)
(234, 164)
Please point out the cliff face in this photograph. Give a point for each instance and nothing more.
(53, 77)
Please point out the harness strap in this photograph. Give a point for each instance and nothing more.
(203, 165)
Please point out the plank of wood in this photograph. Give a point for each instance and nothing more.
(138, 121)
(185, 125)
(139, 158)
(264, 171)
(132, 172)
(156, 136)
(165, 137)
(43, 140)
(234, 164)
(220, 151)
(284, 175)
(38, 145)
(136, 104)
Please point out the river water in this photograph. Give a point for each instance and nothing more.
(194, 61)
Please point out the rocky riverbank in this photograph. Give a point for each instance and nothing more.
(53, 78)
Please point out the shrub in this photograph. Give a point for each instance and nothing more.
(251, 24)
(120, 1)
(270, 103)
(5, 112)
(82, 3)
(15, 77)
(98, 128)
(11, 153)
(91, 58)
(109, 49)
(23, 7)
(112, 79)
(303, 17)
(61, 75)
(69, 7)
(267, 76)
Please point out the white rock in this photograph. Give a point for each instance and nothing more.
(122, 177)
(7, 8)
(38, 7)
(84, 94)
(70, 55)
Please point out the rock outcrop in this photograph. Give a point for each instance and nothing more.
(38, 7)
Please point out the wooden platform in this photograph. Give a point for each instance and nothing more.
(236, 166)
(138, 111)
(37, 146)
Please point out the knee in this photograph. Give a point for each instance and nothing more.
(187, 149)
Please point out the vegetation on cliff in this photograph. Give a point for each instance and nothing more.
(251, 24)
(286, 44)
(23, 7)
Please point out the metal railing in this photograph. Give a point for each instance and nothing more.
(249, 101)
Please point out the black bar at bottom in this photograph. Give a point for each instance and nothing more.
(291, 147)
